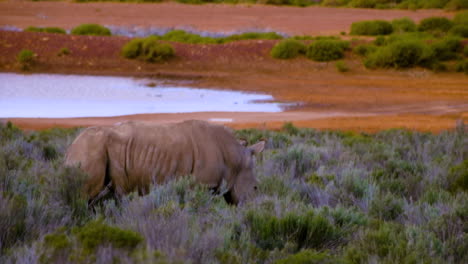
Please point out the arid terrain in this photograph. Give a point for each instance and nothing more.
(360, 100)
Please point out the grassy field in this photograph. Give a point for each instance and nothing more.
(324, 197)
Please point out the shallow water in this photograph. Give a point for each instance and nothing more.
(56, 96)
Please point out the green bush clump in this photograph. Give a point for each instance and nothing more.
(327, 50)
(56, 30)
(341, 66)
(63, 52)
(191, 38)
(403, 25)
(288, 49)
(364, 49)
(386, 207)
(26, 59)
(401, 54)
(97, 233)
(460, 30)
(371, 28)
(91, 29)
(308, 257)
(252, 35)
(458, 177)
(363, 3)
(148, 49)
(309, 230)
(435, 24)
(461, 18)
(447, 48)
(462, 66)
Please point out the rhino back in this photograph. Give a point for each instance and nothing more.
(141, 154)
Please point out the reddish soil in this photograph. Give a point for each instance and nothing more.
(208, 17)
(360, 100)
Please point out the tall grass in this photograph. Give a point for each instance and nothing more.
(394, 196)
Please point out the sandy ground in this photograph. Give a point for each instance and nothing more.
(360, 100)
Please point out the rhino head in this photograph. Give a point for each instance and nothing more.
(245, 184)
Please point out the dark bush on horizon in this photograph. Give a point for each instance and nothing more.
(288, 49)
(371, 28)
(327, 50)
(56, 30)
(148, 49)
(435, 24)
(91, 29)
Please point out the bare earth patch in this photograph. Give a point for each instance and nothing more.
(360, 100)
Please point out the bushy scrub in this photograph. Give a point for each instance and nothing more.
(91, 29)
(403, 25)
(401, 54)
(460, 30)
(435, 24)
(323, 196)
(26, 58)
(461, 18)
(371, 28)
(462, 66)
(447, 48)
(288, 49)
(341, 66)
(187, 37)
(148, 49)
(307, 230)
(56, 30)
(364, 49)
(326, 50)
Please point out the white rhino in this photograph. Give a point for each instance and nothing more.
(132, 155)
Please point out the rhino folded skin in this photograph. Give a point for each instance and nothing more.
(133, 155)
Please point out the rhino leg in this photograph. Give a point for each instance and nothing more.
(100, 196)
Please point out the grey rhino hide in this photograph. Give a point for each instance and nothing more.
(132, 155)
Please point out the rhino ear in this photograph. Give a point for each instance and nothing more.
(242, 141)
(257, 147)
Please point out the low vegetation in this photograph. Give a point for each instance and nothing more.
(371, 28)
(327, 49)
(26, 59)
(324, 197)
(191, 38)
(288, 49)
(56, 30)
(91, 29)
(148, 49)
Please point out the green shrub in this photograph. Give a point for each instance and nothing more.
(305, 231)
(341, 66)
(364, 49)
(97, 233)
(335, 2)
(371, 28)
(465, 51)
(401, 54)
(456, 5)
(288, 49)
(91, 29)
(435, 24)
(447, 48)
(460, 30)
(363, 3)
(386, 207)
(327, 50)
(403, 25)
(308, 257)
(149, 49)
(252, 35)
(46, 30)
(458, 177)
(462, 66)
(26, 59)
(461, 18)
